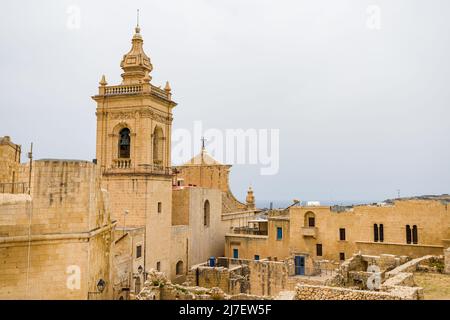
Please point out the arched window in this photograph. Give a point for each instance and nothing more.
(158, 145)
(137, 285)
(310, 219)
(206, 213)
(408, 234)
(124, 143)
(375, 232)
(415, 239)
(179, 268)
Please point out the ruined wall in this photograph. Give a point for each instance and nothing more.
(267, 277)
(311, 292)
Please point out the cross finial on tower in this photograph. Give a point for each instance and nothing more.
(138, 29)
(203, 143)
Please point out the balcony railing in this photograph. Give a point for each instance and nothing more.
(122, 163)
(15, 188)
(123, 89)
(135, 89)
(309, 232)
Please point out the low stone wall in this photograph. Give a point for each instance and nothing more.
(158, 287)
(309, 292)
(409, 266)
(401, 279)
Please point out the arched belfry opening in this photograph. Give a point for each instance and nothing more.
(158, 146)
(124, 143)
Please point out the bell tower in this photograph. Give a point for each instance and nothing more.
(134, 124)
(134, 118)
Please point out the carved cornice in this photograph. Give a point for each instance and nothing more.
(165, 118)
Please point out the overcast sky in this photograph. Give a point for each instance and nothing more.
(362, 112)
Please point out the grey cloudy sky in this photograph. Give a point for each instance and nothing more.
(361, 112)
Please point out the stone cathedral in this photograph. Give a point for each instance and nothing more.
(169, 226)
(113, 227)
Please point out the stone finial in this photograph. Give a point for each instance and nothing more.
(103, 81)
(167, 88)
(136, 64)
(250, 199)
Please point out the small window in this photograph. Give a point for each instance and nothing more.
(206, 213)
(158, 266)
(381, 230)
(256, 257)
(159, 207)
(415, 239)
(341, 234)
(342, 256)
(138, 252)
(311, 222)
(319, 250)
(235, 254)
(408, 234)
(279, 233)
(375, 232)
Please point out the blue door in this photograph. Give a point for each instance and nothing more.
(299, 265)
(235, 253)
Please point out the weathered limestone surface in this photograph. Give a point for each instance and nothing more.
(409, 266)
(63, 229)
(309, 292)
(447, 260)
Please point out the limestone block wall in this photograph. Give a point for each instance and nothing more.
(55, 243)
(67, 197)
(9, 160)
(140, 195)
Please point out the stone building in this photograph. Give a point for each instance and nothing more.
(411, 227)
(55, 241)
(9, 165)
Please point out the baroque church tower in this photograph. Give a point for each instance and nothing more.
(134, 122)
